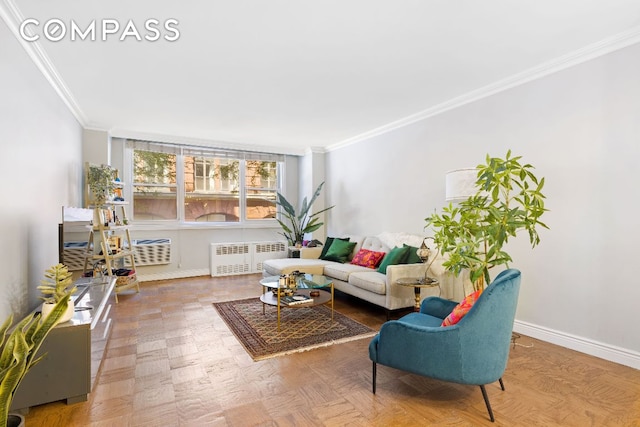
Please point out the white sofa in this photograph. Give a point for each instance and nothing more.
(362, 282)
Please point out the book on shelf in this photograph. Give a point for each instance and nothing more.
(296, 300)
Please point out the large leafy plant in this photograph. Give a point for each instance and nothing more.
(509, 199)
(19, 349)
(302, 222)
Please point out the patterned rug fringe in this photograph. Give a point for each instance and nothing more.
(301, 329)
(316, 346)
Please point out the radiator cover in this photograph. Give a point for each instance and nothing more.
(243, 257)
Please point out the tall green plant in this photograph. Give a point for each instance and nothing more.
(18, 351)
(299, 223)
(509, 199)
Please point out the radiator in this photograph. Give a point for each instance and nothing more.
(243, 257)
(263, 251)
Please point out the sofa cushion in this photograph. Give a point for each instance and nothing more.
(371, 281)
(367, 258)
(278, 266)
(342, 271)
(327, 245)
(372, 243)
(412, 255)
(395, 256)
(398, 239)
(339, 251)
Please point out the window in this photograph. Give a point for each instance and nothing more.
(154, 186)
(197, 184)
(261, 179)
(211, 189)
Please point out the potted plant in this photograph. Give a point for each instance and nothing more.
(472, 234)
(56, 285)
(101, 182)
(300, 222)
(18, 353)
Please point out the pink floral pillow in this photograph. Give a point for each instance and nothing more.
(367, 258)
(460, 310)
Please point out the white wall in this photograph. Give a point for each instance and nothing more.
(40, 169)
(580, 128)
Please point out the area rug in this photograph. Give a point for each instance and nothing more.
(301, 329)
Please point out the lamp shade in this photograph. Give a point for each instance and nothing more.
(460, 184)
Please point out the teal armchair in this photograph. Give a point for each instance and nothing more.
(474, 351)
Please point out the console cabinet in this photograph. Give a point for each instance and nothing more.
(74, 350)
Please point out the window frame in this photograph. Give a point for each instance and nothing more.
(181, 152)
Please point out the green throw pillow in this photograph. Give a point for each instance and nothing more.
(412, 256)
(327, 245)
(395, 256)
(340, 251)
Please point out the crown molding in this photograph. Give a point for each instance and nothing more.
(315, 150)
(185, 140)
(12, 16)
(587, 53)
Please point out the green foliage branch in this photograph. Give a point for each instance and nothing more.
(299, 223)
(100, 179)
(509, 199)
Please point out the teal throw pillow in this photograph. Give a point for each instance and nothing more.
(412, 256)
(339, 251)
(327, 245)
(395, 256)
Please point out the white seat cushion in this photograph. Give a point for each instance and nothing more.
(342, 271)
(371, 281)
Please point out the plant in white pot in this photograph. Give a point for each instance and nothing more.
(18, 353)
(56, 285)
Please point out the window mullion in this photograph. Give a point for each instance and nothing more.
(243, 190)
(180, 186)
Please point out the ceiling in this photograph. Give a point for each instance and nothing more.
(289, 75)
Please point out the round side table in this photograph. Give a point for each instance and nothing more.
(417, 283)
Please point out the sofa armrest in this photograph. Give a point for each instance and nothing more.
(398, 271)
(310, 253)
(398, 296)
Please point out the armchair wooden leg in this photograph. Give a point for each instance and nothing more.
(374, 377)
(486, 401)
(501, 384)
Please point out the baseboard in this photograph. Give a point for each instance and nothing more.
(177, 274)
(604, 351)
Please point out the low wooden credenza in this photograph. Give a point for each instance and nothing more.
(74, 350)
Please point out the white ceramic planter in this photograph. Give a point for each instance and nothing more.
(48, 307)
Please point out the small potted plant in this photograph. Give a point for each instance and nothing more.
(18, 348)
(56, 285)
(101, 182)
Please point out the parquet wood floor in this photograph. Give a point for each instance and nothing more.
(172, 361)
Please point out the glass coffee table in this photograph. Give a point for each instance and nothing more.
(308, 285)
